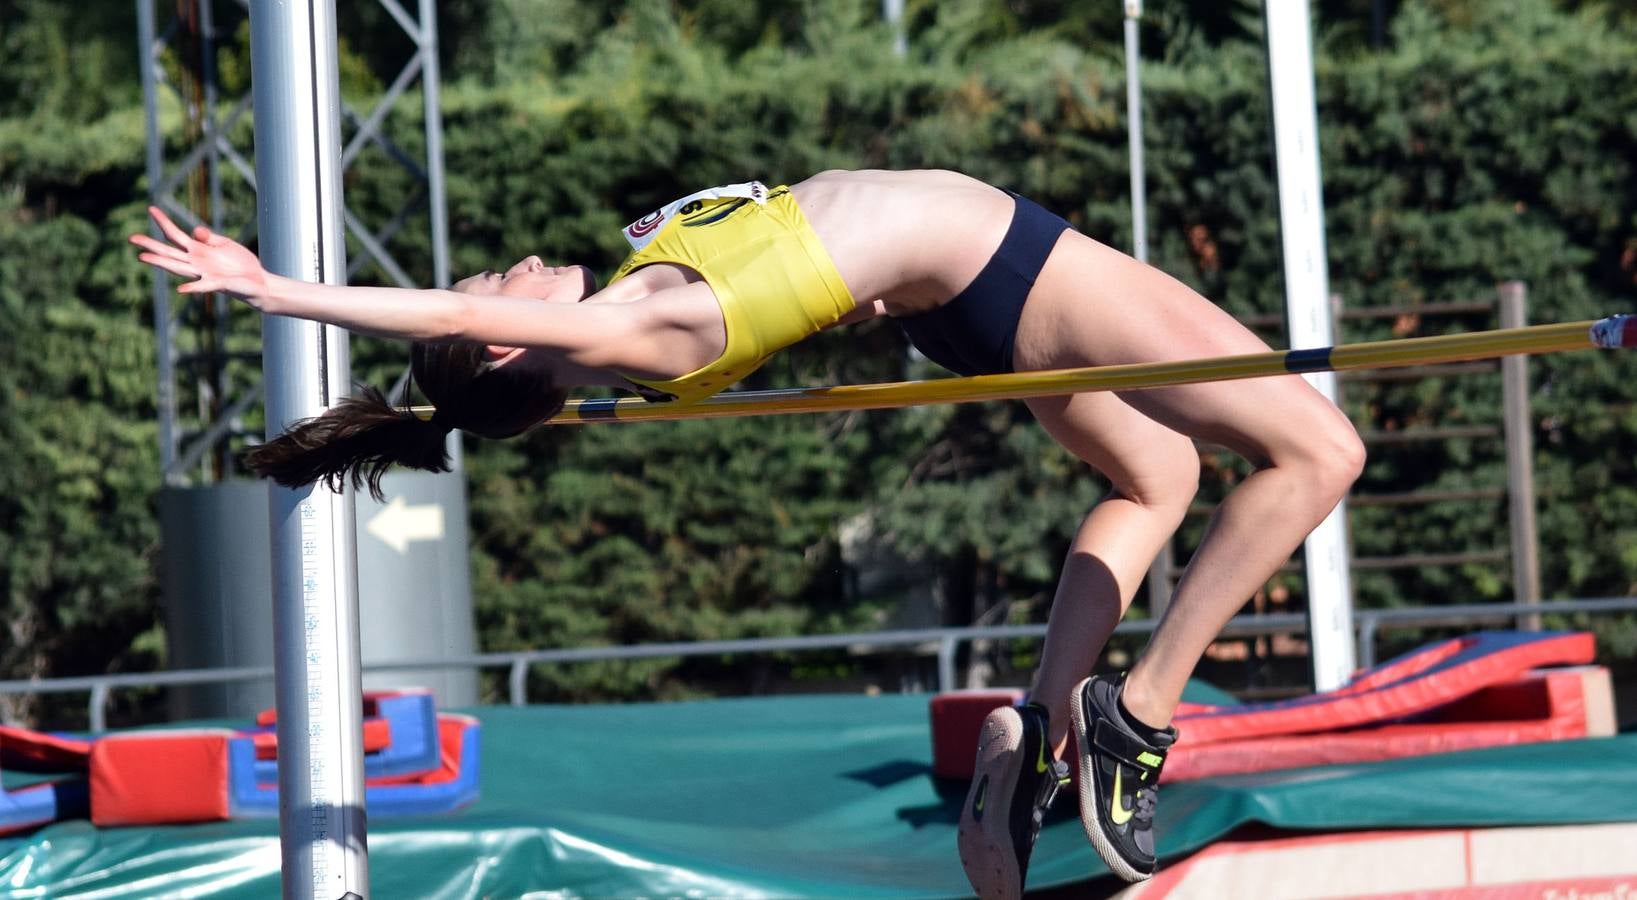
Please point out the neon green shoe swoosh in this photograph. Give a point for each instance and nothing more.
(1117, 812)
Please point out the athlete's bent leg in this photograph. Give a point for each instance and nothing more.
(1255, 530)
(1092, 305)
(1154, 473)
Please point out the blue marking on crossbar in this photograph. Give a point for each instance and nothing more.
(598, 408)
(1316, 360)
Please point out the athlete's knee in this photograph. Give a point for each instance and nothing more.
(1333, 455)
(1167, 480)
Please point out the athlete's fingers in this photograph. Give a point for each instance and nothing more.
(158, 247)
(202, 286)
(170, 229)
(173, 266)
(202, 235)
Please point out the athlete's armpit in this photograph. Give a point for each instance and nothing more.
(860, 313)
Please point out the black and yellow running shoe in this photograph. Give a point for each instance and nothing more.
(1014, 783)
(1119, 777)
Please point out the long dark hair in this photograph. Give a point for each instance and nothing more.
(360, 437)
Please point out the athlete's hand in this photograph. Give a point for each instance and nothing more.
(217, 263)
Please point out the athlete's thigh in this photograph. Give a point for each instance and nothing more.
(1093, 306)
(1144, 459)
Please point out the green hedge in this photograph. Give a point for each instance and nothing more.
(1454, 158)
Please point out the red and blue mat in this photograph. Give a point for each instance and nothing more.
(417, 761)
(816, 796)
(1481, 690)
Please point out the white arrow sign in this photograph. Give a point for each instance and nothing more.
(398, 523)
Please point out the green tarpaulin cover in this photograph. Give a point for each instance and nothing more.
(827, 796)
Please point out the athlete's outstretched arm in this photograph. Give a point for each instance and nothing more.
(582, 332)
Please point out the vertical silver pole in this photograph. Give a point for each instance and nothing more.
(166, 362)
(1159, 571)
(213, 164)
(430, 91)
(894, 12)
(1520, 460)
(1133, 114)
(306, 366)
(1307, 294)
(431, 81)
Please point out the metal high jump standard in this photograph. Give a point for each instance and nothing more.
(317, 671)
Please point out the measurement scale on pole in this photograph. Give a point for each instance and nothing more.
(317, 673)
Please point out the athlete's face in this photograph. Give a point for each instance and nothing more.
(530, 277)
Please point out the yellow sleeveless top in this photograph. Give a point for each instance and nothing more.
(772, 278)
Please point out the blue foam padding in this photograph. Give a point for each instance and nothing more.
(426, 799)
(413, 749)
(38, 804)
(248, 797)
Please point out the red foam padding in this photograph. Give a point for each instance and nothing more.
(1492, 863)
(152, 778)
(1386, 695)
(1501, 704)
(957, 716)
(377, 737)
(1541, 706)
(35, 751)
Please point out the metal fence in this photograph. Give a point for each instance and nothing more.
(941, 642)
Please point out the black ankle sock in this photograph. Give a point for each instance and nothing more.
(1143, 730)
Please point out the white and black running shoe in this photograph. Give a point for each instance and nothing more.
(1013, 785)
(1119, 777)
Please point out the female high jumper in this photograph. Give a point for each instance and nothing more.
(982, 281)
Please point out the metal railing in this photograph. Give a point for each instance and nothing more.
(943, 642)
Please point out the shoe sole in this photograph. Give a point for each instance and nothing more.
(1091, 814)
(986, 844)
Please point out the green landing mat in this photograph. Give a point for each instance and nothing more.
(827, 796)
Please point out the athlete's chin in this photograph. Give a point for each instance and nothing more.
(588, 282)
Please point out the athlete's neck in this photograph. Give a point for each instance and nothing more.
(644, 281)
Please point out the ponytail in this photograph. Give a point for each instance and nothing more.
(358, 439)
(353, 442)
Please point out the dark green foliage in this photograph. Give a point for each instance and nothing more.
(1479, 142)
(78, 530)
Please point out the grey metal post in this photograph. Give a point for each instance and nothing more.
(315, 580)
(1520, 459)
(1133, 115)
(431, 81)
(213, 175)
(1368, 624)
(166, 360)
(1159, 571)
(438, 207)
(1307, 295)
(894, 12)
(519, 681)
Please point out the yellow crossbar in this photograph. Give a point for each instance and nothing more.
(1018, 385)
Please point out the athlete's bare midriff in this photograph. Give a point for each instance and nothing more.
(911, 239)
